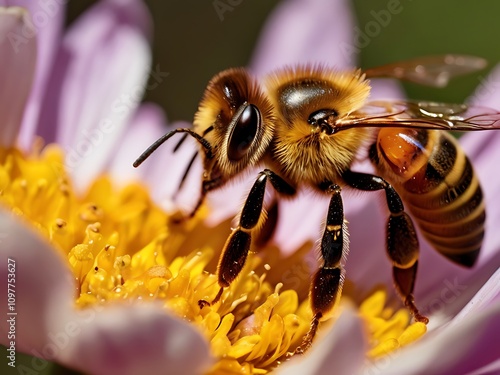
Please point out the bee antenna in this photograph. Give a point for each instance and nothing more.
(166, 137)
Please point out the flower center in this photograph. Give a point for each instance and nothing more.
(121, 246)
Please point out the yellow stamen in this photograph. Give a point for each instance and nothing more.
(120, 246)
(388, 330)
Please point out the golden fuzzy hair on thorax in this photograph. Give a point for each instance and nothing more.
(320, 87)
(304, 153)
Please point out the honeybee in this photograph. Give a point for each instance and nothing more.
(305, 125)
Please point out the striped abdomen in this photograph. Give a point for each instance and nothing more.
(439, 187)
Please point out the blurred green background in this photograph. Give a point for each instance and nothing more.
(192, 44)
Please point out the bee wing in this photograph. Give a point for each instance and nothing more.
(423, 115)
(435, 71)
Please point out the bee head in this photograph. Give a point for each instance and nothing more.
(237, 120)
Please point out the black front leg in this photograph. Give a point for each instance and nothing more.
(402, 242)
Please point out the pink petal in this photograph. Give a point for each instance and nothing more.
(299, 31)
(300, 220)
(489, 292)
(488, 92)
(386, 88)
(42, 282)
(136, 339)
(314, 31)
(98, 80)
(227, 201)
(147, 125)
(458, 292)
(450, 350)
(46, 22)
(17, 66)
(489, 369)
(367, 263)
(341, 351)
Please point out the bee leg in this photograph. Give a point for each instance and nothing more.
(238, 243)
(186, 171)
(269, 227)
(327, 283)
(206, 187)
(402, 241)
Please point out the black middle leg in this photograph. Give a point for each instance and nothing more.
(402, 242)
(327, 283)
(238, 243)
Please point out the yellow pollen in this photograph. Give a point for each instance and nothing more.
(120, 246)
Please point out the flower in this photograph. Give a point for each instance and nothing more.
(82, 91)
(98, 245)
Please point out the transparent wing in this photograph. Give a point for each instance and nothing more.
(435, 71)
(421, 114)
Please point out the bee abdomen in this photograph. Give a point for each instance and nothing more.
(446, 200)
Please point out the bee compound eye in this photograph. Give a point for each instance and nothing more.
(243, 133)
